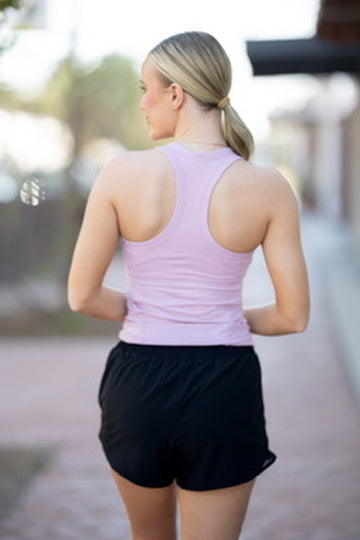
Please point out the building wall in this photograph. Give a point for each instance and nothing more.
(351, 180)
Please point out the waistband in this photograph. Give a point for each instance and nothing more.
(178, 334)
(185, 352)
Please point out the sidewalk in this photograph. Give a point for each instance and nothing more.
(341, 274)
(48, 392)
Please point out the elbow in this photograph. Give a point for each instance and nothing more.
(299, 323)
(294, 321)
(77, 302)
(77, 307)
(303, 318)
(300, 326)
(79, 295)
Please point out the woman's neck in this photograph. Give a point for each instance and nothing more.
(200, 130)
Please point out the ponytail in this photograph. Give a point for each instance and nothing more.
(198, 62)
(237, 134)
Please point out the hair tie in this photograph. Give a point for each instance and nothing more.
(223, 103)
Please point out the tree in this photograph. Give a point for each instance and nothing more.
(7, 38)
(96, 100)
(4, 4)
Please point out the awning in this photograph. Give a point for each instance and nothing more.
(314, 55)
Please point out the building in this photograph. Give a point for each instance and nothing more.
(328, 128)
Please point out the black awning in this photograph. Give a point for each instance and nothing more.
(314, 55)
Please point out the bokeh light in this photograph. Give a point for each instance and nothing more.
(32, 191)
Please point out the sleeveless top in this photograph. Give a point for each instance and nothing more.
(184, 287)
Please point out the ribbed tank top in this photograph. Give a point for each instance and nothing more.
(184, 287)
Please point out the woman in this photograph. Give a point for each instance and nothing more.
(181, 399)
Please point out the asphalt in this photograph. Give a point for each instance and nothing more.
(311, 381)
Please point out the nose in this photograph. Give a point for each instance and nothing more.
(141, 104)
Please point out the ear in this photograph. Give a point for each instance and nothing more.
(177, 95)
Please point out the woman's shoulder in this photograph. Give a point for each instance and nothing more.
(128, 171)
(268, 179)
(262, 187)
(130, 164)
(134, 159)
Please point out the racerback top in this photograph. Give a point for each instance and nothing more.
(184, 287)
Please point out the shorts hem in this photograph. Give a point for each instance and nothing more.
(229, 483)
(206, 486)
(130, 477)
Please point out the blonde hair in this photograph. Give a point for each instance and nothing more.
(199, 64)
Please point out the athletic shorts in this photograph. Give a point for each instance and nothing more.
(190, 414)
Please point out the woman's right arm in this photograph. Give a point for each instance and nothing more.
(95, 248)
(286, 265)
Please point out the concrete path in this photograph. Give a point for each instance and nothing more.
(48, 390)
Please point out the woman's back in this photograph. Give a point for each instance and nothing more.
(194, 228)
(239, 208)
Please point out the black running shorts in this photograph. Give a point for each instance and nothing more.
(193, 414)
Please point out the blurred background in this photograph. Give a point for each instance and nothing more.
(69, 95)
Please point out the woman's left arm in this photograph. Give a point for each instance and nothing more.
(94, 250)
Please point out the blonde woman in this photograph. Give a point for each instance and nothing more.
(181, 398)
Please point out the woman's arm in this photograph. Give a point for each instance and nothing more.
(94, 250)
(285, 261)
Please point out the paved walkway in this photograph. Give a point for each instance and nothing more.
(311, 493)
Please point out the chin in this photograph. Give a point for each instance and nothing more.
(156, 135)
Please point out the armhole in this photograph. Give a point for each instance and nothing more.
(208, 237)
(176, 213)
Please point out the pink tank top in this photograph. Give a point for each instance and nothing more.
(184, 287)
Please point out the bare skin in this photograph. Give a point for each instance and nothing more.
(205, 515)
(134, 197)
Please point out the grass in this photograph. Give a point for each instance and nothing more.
(18, 467)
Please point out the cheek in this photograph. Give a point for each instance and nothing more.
(147, 101)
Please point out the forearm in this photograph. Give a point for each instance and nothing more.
(107, 303)
(269, 321)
